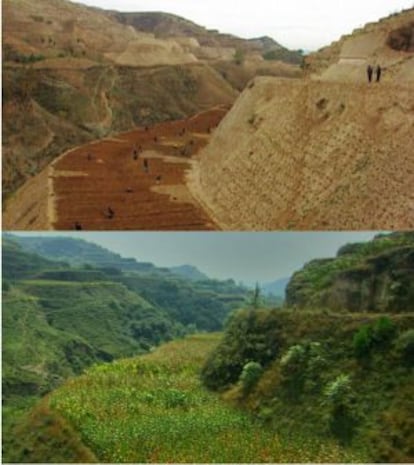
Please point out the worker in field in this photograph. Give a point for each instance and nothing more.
(370, 71)
(378, 72)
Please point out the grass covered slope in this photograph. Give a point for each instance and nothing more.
(342, 377)
(373, 276)
(153, 409)
(59, 319)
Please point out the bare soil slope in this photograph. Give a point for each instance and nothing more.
(331, 152)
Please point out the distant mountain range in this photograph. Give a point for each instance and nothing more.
(276, 288)
(80, 252)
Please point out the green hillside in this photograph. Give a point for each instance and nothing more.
(153, 408)
(338, 361)
(80, 252)
(58, 319)
(203, 303)
(343, 377)
(373, 276)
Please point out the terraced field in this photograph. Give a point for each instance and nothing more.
(135, 181)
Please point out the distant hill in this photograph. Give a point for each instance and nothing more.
(276, 288)
(189, 272)
(166, 25)
(364, 277)
(81, 252)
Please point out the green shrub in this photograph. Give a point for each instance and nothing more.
(404, 346)
(293, 359)
(362, 341)
(337, 392)
(383, 330)
(367, 337)
(339, 398)
(250, 375)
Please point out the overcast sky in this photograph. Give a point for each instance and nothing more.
(247, 257)
(306, 24)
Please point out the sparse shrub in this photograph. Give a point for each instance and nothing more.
(239, 56)
(404, 346)
(250, 375)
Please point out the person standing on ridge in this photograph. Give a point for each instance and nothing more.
(378, 71)
(370, 70)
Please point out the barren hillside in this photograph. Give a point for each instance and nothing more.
(72, 74)
(389, 43)
(331, 152)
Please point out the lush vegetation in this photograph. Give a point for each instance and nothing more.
(59, 319)
(153, 409)
(306, 385)
(341, 376)
(376, 276)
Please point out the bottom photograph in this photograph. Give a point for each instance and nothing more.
(207, 347)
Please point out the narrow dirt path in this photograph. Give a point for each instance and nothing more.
(135, 181)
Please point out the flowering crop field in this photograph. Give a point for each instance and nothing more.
(153, 408)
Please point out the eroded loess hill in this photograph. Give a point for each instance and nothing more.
(331, 152)
(312, 155)
(72, 74)
(388, 43)
(48, 110)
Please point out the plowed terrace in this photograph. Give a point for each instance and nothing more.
(134, 181)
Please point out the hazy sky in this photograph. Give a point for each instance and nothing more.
(307, 24)
(247, 257)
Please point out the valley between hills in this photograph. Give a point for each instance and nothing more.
(301, 142)
(108, 359)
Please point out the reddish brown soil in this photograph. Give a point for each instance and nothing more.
(104, 174)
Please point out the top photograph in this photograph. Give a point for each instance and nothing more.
(255, 116)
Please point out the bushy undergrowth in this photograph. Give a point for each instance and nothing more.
(333, 375)
(369, 336)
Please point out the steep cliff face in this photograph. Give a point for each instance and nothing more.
(376, 278)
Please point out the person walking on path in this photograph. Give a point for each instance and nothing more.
(370, 70)
(378, 71)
